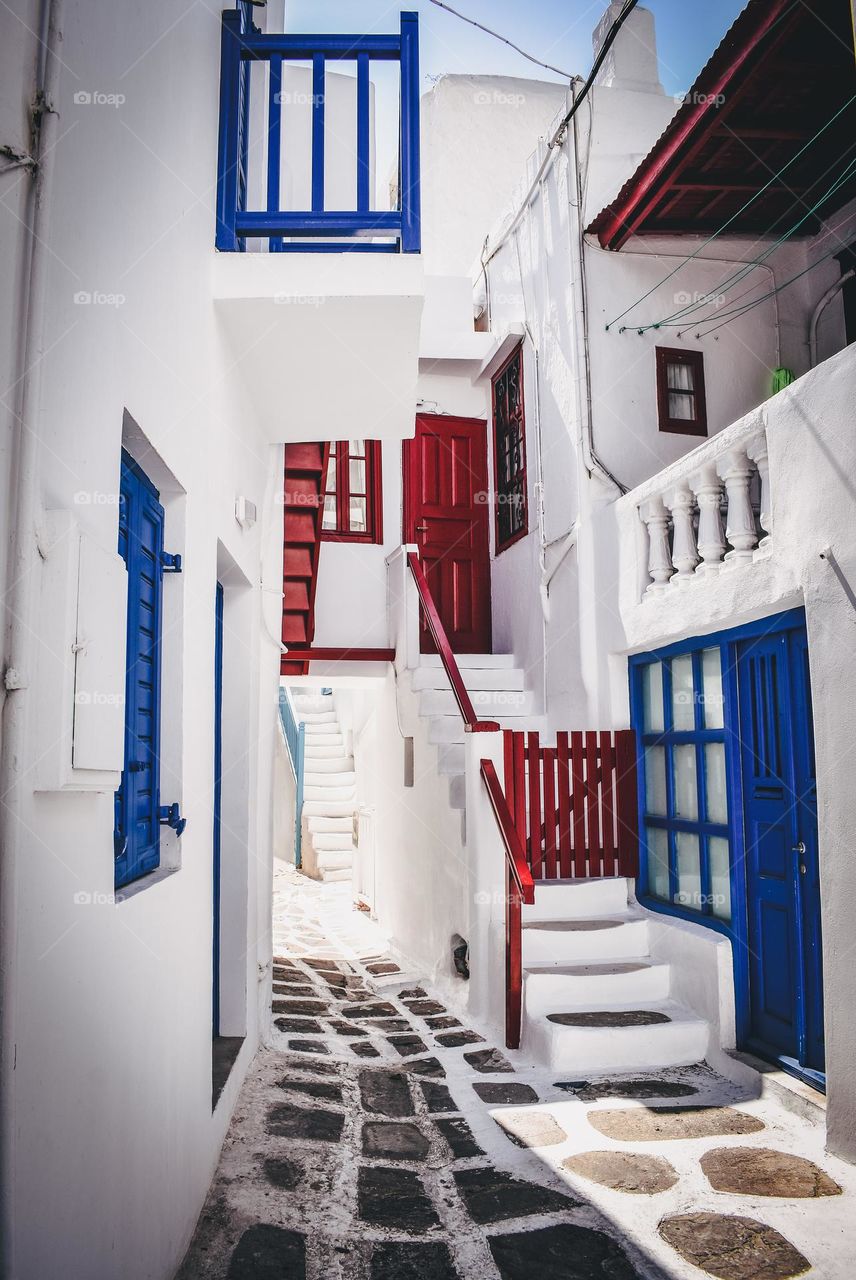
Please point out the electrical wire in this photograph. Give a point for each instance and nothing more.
(516, 47)
(676, 318)
(727, 224)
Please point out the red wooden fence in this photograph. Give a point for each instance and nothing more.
(575, 804)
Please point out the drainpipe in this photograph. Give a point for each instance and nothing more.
(23, 579)
(819, 310)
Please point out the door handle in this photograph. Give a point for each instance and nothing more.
(799, 848)
(421, 528)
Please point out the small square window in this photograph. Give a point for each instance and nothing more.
(352, 492)
(509, 452)
(681, 404)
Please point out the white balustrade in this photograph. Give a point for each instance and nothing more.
(687, 537)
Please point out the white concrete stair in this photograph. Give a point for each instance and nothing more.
(329, 793)
(594, 1001)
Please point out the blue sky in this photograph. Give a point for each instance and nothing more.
(559, 31)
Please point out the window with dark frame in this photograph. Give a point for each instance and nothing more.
(681, 404)
(353, 493)
(509, 452)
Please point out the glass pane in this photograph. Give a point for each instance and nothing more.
(358, 515)
(685, 782)
(683, 704)
(655, 781)
(714, 776)
(329, 520)
(688, 863)
(681, 406)
(357, 475)
(657, 842)
(652, 698)
(720, 880)
(357, 448)
(331, 474)
(714, 702)
(679, 376)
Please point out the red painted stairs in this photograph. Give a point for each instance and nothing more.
(303, 506)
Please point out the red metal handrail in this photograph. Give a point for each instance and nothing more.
(472, 724)
(520, 888)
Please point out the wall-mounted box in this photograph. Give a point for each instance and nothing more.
(80, 688)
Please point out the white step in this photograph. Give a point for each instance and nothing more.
(317, 718)
(327, 806)
(561, 989)
(313, 702)
(323, 750)
(575, 899)
(468, 660)
(336, 877)
(451, 759)
(490, 678)
(329, 764)
(322, 728)
(335, 859)
(582, 1052)
(341, 778)
(313, 792)
(325, 740)
(587, 941)
(489, 704)
(458, 791)
(446, 729)
(320, 825)
(333, 839)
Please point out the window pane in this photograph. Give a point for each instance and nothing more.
(720, 880)
(714, 774)
(683, 704)
(679, 376)
(655, 781)
(652, 697)
(688, 862)
(357, 475)
(681, 406)
(711, 674)
(358, 515)
(685, 782)
(330, 486)
(658, 862)
(357, 448)
(329, 520)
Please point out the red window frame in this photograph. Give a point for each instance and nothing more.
(694, 360)
(342, 453)
(509, 452)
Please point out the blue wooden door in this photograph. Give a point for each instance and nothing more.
(136, 834)
(780, 823)
(218, 776)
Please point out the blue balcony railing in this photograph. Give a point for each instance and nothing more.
(318, 228)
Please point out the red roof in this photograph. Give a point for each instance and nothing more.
(782, 73)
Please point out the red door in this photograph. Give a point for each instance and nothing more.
(446, 516)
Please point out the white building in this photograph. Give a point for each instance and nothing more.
(156, 391)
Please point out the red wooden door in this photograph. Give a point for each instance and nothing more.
(446, 516)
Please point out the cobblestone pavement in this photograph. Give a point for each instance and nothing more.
(379, 1136)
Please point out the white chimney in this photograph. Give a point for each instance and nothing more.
(632, 61)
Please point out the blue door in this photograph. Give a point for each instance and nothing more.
(780, 824)
(136, 833)
(218, 782)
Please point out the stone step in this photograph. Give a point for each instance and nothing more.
(576, 899)
(325, 740)
(509, 678)
(333, 839)
(324, 749)
(335, 859)
(588, 941)
(323, 728)
(678, 1038)
(468, 660)
(330, 792)
(322, 824)
(335, 877)
(562, 988)
(451, 759)
(327, 806)
(446, 729)
(341, 778)
(316, 718)
(458, 791)
(328, 764)
(488, 704)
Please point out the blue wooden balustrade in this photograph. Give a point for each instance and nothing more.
(362, 228)
(295, 741)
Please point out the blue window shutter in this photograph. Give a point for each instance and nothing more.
(137, 825)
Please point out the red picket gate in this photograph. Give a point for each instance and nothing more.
(575, 805)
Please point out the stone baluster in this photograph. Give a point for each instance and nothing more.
(736, 470)
(711, 539)
(757, 451)
(656, 519)
(684, 553)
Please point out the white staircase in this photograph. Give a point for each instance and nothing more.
(329, 792)
(594, 1001)
(498, 692)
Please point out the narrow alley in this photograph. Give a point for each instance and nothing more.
(380, 1137)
